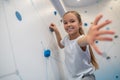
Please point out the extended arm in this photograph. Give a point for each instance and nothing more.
(94, 33)
(58, 35)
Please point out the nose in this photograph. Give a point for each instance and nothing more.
(68, 24)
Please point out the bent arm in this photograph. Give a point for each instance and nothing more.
(58, 35)
(59, 38)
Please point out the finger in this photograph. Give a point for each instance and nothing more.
(51, 29)
(98, 17)
(96, 49)
(52, 24)
(102, 32)
(104, 38)
(104, 24)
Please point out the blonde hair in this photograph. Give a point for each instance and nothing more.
(93, 59)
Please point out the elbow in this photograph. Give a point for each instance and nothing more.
(61, 46)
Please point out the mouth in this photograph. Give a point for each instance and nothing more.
(70, 29)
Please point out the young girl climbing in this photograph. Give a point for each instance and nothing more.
(79, 58)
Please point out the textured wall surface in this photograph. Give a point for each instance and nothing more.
(28, 49)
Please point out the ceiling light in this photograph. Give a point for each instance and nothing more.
(78, 0)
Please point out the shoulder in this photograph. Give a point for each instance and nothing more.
(80, 37)
(64, 40)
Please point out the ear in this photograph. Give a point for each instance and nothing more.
(80, 23)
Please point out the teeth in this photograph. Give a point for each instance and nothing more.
(70, 28)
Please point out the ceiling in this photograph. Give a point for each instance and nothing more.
(79, 3)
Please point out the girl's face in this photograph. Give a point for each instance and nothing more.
(71, 24)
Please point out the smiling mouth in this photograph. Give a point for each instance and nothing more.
(70, 29)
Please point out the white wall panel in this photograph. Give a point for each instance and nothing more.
(23, 41)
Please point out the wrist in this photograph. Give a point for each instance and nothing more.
(56, 31)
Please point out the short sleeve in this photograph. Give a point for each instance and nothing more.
(80, 37)
(83, 43)
(63, 41)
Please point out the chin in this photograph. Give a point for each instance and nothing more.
(70, 33)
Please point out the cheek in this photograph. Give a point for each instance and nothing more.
(77, 26)
(65, 27)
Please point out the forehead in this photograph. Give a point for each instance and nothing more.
(69, 16)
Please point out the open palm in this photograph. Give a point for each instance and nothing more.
(94, 33)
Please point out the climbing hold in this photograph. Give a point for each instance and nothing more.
(18, 15)
(104, 54)
(116, 76)
(51, 29)
(47, 53)
(108, 57)
(96, 41)
(107, 28)
(55, 12)
(116, 36)
(85, 24)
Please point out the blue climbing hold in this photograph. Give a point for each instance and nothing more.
(55, 12)
(51, 29)
(18, 15)
(117, 76)
(47, 53)
(96, 41)
(85, 24)
(107, 28)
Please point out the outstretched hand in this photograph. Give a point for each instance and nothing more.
(94, 33)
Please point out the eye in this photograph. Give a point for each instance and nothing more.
(72, 21)
(64, 22)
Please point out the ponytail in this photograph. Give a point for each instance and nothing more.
(93, 59)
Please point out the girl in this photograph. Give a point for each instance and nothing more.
(79, 58)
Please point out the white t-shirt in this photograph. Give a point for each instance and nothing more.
(78, 62)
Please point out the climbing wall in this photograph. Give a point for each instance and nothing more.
(29, 51)
(28, 48)
(109, 63)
